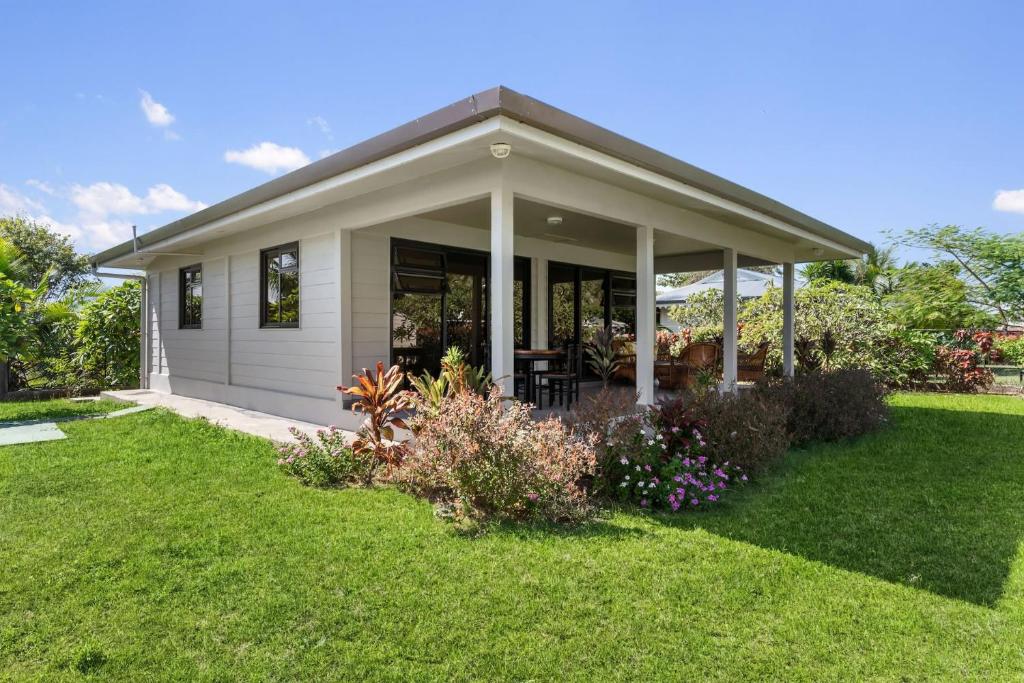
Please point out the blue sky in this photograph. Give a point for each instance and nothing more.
(867, 116)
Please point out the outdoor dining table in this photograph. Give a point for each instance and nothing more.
(526, 359)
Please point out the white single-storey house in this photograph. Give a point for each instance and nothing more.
(495, 223)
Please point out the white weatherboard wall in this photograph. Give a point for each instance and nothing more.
(295, 372)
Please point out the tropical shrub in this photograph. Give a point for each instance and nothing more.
(601, 355)
(325, 460)
(827, 406)
(383, 400)
(482, 460)
(1011, 350)
(107, 337)
(959, 370)
(744, 428)
(606, 416)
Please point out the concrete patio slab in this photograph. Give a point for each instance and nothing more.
(232, 417)
(31, 433)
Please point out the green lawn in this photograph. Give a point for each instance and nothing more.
(154, 547)
(60, 409)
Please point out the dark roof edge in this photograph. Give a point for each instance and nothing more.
(464, 113)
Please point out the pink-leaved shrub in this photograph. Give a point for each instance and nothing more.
(484, 458)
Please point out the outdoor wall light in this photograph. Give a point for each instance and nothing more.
(554, 220)
(500, 150)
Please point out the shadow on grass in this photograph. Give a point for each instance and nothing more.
(934, 502)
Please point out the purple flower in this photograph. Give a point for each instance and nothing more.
(712, 497)
(643, 502)
(533, 497)
(694, 501)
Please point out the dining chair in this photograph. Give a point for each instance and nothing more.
(565, 379)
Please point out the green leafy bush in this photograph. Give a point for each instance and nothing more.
(326, 460)
(107, 337)
(1011, 350)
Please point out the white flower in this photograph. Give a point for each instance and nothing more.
(624, 460)
(638, 468)
(650, 442)
(659, 437)
(651, 485)
(627, 477)
(623, 484)
(640, 484)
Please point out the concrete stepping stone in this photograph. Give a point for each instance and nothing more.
(31, 433)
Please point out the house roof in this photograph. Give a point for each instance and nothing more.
(750, 284)
(499, 101)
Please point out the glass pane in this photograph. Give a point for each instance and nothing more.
(621, 283)
(418, 258)
(562, 325)
(416, 332)
(289, 259)
(624, 320)
(289, 305)
(424, 284)
(273, 293)
(592, 303)
(518, 308)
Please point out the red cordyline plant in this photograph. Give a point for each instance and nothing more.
(382, 399)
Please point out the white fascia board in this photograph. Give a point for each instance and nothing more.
(446, 142)
(581, 152)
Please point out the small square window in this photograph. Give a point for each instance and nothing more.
(279, 286)
(190, 298)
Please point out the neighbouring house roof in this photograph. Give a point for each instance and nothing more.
(499, 101)
(750, 284)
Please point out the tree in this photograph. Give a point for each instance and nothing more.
(24, 311)
(839, 271)
(107, 337)
(44, 251)
(990, 265)
(934, 297)
(876, 270)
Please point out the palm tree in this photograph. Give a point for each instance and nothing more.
(877, 270)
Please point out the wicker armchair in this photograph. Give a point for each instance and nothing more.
(750, 366)
(680, 372)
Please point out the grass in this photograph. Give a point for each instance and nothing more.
(59, 409)
(154, 547)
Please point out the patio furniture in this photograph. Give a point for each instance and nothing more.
(565, 379)
(679, 372)
(750, 366)
(526, 368)
(625, 354)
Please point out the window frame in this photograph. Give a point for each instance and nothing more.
(183, 293)
(269, 253)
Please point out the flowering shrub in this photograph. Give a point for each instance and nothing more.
(325, 460)
(660, 462)
(485, 460)
(743, 427)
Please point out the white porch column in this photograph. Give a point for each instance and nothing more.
(788, 319)
(502, 262)
(539, 328)
(645, 314)
(729, 359)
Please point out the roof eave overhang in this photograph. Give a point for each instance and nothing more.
(499, 101)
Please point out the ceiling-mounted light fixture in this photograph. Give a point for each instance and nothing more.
(500, 150)
(554, 220)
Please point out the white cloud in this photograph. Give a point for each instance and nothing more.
(155, 112)
(42, 186)
(1009, 200)
(321, 123)
(268, 157)
(99, 200)
(14, 202)
(163, 197)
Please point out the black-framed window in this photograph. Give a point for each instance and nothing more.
(279, 286)
(190, 297)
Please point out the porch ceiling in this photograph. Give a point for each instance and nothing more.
(576, 228)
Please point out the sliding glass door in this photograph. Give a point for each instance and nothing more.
(439, 299)
(582, 301)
